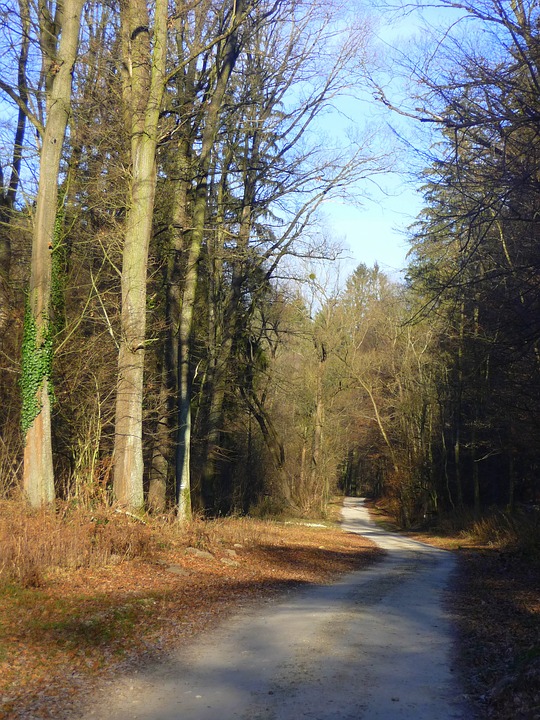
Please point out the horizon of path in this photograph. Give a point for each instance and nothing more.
(376, 644)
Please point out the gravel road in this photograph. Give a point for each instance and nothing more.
(375, 645)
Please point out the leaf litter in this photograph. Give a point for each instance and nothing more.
(79, 626)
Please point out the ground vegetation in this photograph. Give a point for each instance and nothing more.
(85, 594)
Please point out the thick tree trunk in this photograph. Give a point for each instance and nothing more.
(128, 471)
(38, 477)
(143, 92)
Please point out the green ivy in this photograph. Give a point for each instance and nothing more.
(58, 270)
(37, 360)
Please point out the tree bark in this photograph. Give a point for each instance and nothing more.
(38, 476)
(144, 68)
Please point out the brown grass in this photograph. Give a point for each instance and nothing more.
(32, 543)
(81, 593)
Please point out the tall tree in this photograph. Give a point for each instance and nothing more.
(58, 39)
(265, 180)
(144, 56)
(475, 251)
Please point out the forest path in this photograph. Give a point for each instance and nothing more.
(376, 645)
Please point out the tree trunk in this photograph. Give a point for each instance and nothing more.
(511, 481)
(143, 90)
(159, 471)
(458, 411)
(183, 447)
(5, 270)
(200, 195)
(38, 477)
(225, 331)
(318, 424)
(165, 448)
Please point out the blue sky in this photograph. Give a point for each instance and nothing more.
(376, 231)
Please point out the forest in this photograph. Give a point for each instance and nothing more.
(172, 339)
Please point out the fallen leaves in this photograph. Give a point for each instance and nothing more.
(59, 639)
(496, 602)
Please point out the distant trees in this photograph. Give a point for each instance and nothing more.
(344, 385)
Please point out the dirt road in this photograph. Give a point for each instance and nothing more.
(374, 646)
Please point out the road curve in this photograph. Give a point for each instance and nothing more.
(376, 645)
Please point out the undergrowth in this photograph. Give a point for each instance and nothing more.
(515, 532)
(34, 543)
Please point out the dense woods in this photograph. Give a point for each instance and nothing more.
(165, 341)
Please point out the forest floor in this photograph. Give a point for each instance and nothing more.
(70, 629)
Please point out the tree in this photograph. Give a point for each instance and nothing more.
(144, 53)
(219, 106)
(259, 183)
(475, 248)
(58, 37)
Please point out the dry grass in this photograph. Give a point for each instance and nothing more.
(83, 593)
(32, 543)
(517, 532)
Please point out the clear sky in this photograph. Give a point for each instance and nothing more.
(376, 232)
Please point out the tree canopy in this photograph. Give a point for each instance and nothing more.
(155, 226)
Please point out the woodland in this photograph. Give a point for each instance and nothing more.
(168, 341)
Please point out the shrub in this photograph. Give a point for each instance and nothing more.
(517, 531)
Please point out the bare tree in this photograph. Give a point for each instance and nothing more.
(144, 55)
(58, 40)
(260, 181)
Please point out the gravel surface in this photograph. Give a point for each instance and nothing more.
(376, 645)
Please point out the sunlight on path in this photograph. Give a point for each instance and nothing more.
(375, 645)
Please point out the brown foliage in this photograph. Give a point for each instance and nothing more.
(32, 543)
(83, 593)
